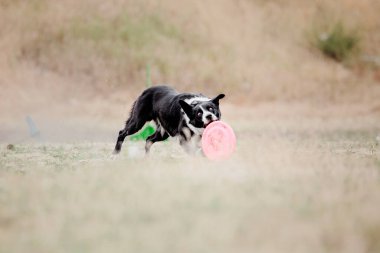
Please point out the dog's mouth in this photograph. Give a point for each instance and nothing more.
(208, 123)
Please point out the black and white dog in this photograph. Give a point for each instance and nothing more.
(176, 114)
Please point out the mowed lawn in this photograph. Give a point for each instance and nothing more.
(300, 187)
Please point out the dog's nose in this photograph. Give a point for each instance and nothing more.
(209, 117)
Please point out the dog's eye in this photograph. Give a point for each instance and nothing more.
(211, 109)
(199, 114)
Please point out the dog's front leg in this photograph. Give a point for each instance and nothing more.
(185, 140)
(186, 145)
(198, 145)
(192, 145)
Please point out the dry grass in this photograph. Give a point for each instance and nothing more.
(296, 184)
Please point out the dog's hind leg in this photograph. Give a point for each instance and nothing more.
(140, 114)
(157, 136)
(131, 127)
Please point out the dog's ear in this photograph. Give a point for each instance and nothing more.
(217, 98)
(188, 109)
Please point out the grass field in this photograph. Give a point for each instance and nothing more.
(292, 186)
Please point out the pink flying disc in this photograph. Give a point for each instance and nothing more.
(218, 141)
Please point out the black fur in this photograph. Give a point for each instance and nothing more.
(172, 113)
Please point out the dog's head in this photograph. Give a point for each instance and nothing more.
(202, 113)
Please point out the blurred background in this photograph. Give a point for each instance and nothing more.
(67, 60)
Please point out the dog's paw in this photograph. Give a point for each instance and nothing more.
(199, 153)
(113, 156)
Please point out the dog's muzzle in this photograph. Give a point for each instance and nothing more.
(208, 123)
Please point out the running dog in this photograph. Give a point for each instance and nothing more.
(185, 115)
